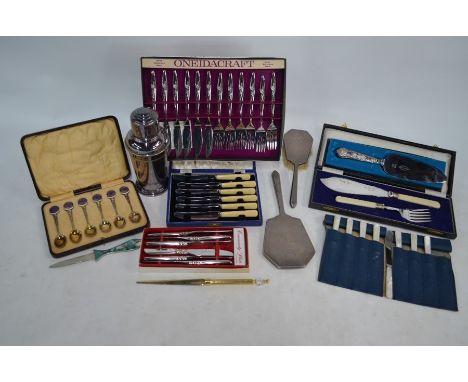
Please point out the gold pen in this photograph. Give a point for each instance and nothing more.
(204, 282)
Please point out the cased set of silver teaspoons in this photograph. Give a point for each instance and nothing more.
(90, 229)
(202, 132)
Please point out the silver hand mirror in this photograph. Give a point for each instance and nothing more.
(298, 146)
(286, 243)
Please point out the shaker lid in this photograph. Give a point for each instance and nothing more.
(144, 123)
(145, 137)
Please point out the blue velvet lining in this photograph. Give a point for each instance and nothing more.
(332, 160)
(442, 219)
(423, 279)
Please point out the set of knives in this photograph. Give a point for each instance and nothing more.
(200, 197)
(222, 124)
(193, 248)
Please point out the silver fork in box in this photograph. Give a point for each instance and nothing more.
(420, 215)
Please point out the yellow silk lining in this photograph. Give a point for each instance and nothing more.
(76, 157)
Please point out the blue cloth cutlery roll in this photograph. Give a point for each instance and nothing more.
(423, 279)
(353, 263)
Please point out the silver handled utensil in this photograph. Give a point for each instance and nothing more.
(250, 128)
(298, 146)
(260, 134)
(60, 239)
(208, 133)
(197, 130)
(286, 243)
(133, 216)
(154, 90)
(177, 132)
(119, 221)
(90, 230)
(188, 233)
(187, 252)
(419, 216)
(75, 235)
(218, 133)
(272, 131)
(230, 132)
(240, 129)
(105, 225)
(167, 128)
(187, 131)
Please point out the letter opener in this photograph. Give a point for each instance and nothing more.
(129, 245)
(204, 282)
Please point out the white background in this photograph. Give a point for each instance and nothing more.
(411, 88)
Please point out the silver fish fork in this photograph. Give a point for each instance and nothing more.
(260, 134)
(419, 215)
(250, 128)
(218, 132)
(272, 131)
(230, 132)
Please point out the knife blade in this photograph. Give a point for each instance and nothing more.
(347, 186)
(207, 178)
(216, 184)
(186, 252)
(192, 262)
(222, 199)
(222, 206)
(189, 233)
(398, 165)
(216, 215)
(175, 243)
(227, 191)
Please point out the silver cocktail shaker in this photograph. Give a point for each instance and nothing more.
(146, 144)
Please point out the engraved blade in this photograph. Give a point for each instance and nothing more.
(75, 260)
(347, 186)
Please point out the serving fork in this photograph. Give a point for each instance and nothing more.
(260, 134)
(419, 215)
(218, 132)
(272, 131)
(250, 129)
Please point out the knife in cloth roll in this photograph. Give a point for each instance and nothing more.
(216, 199)
(398, 165)
(227, 191)
(216, 215)
(186, 252)
(347, 186)
(189, 185)
(208, 178)
(214, 206)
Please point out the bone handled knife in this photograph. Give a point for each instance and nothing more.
(347, 186)
(247, 184)
(222, 206)
(211, 199)
(216, 215)
(214, 191)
